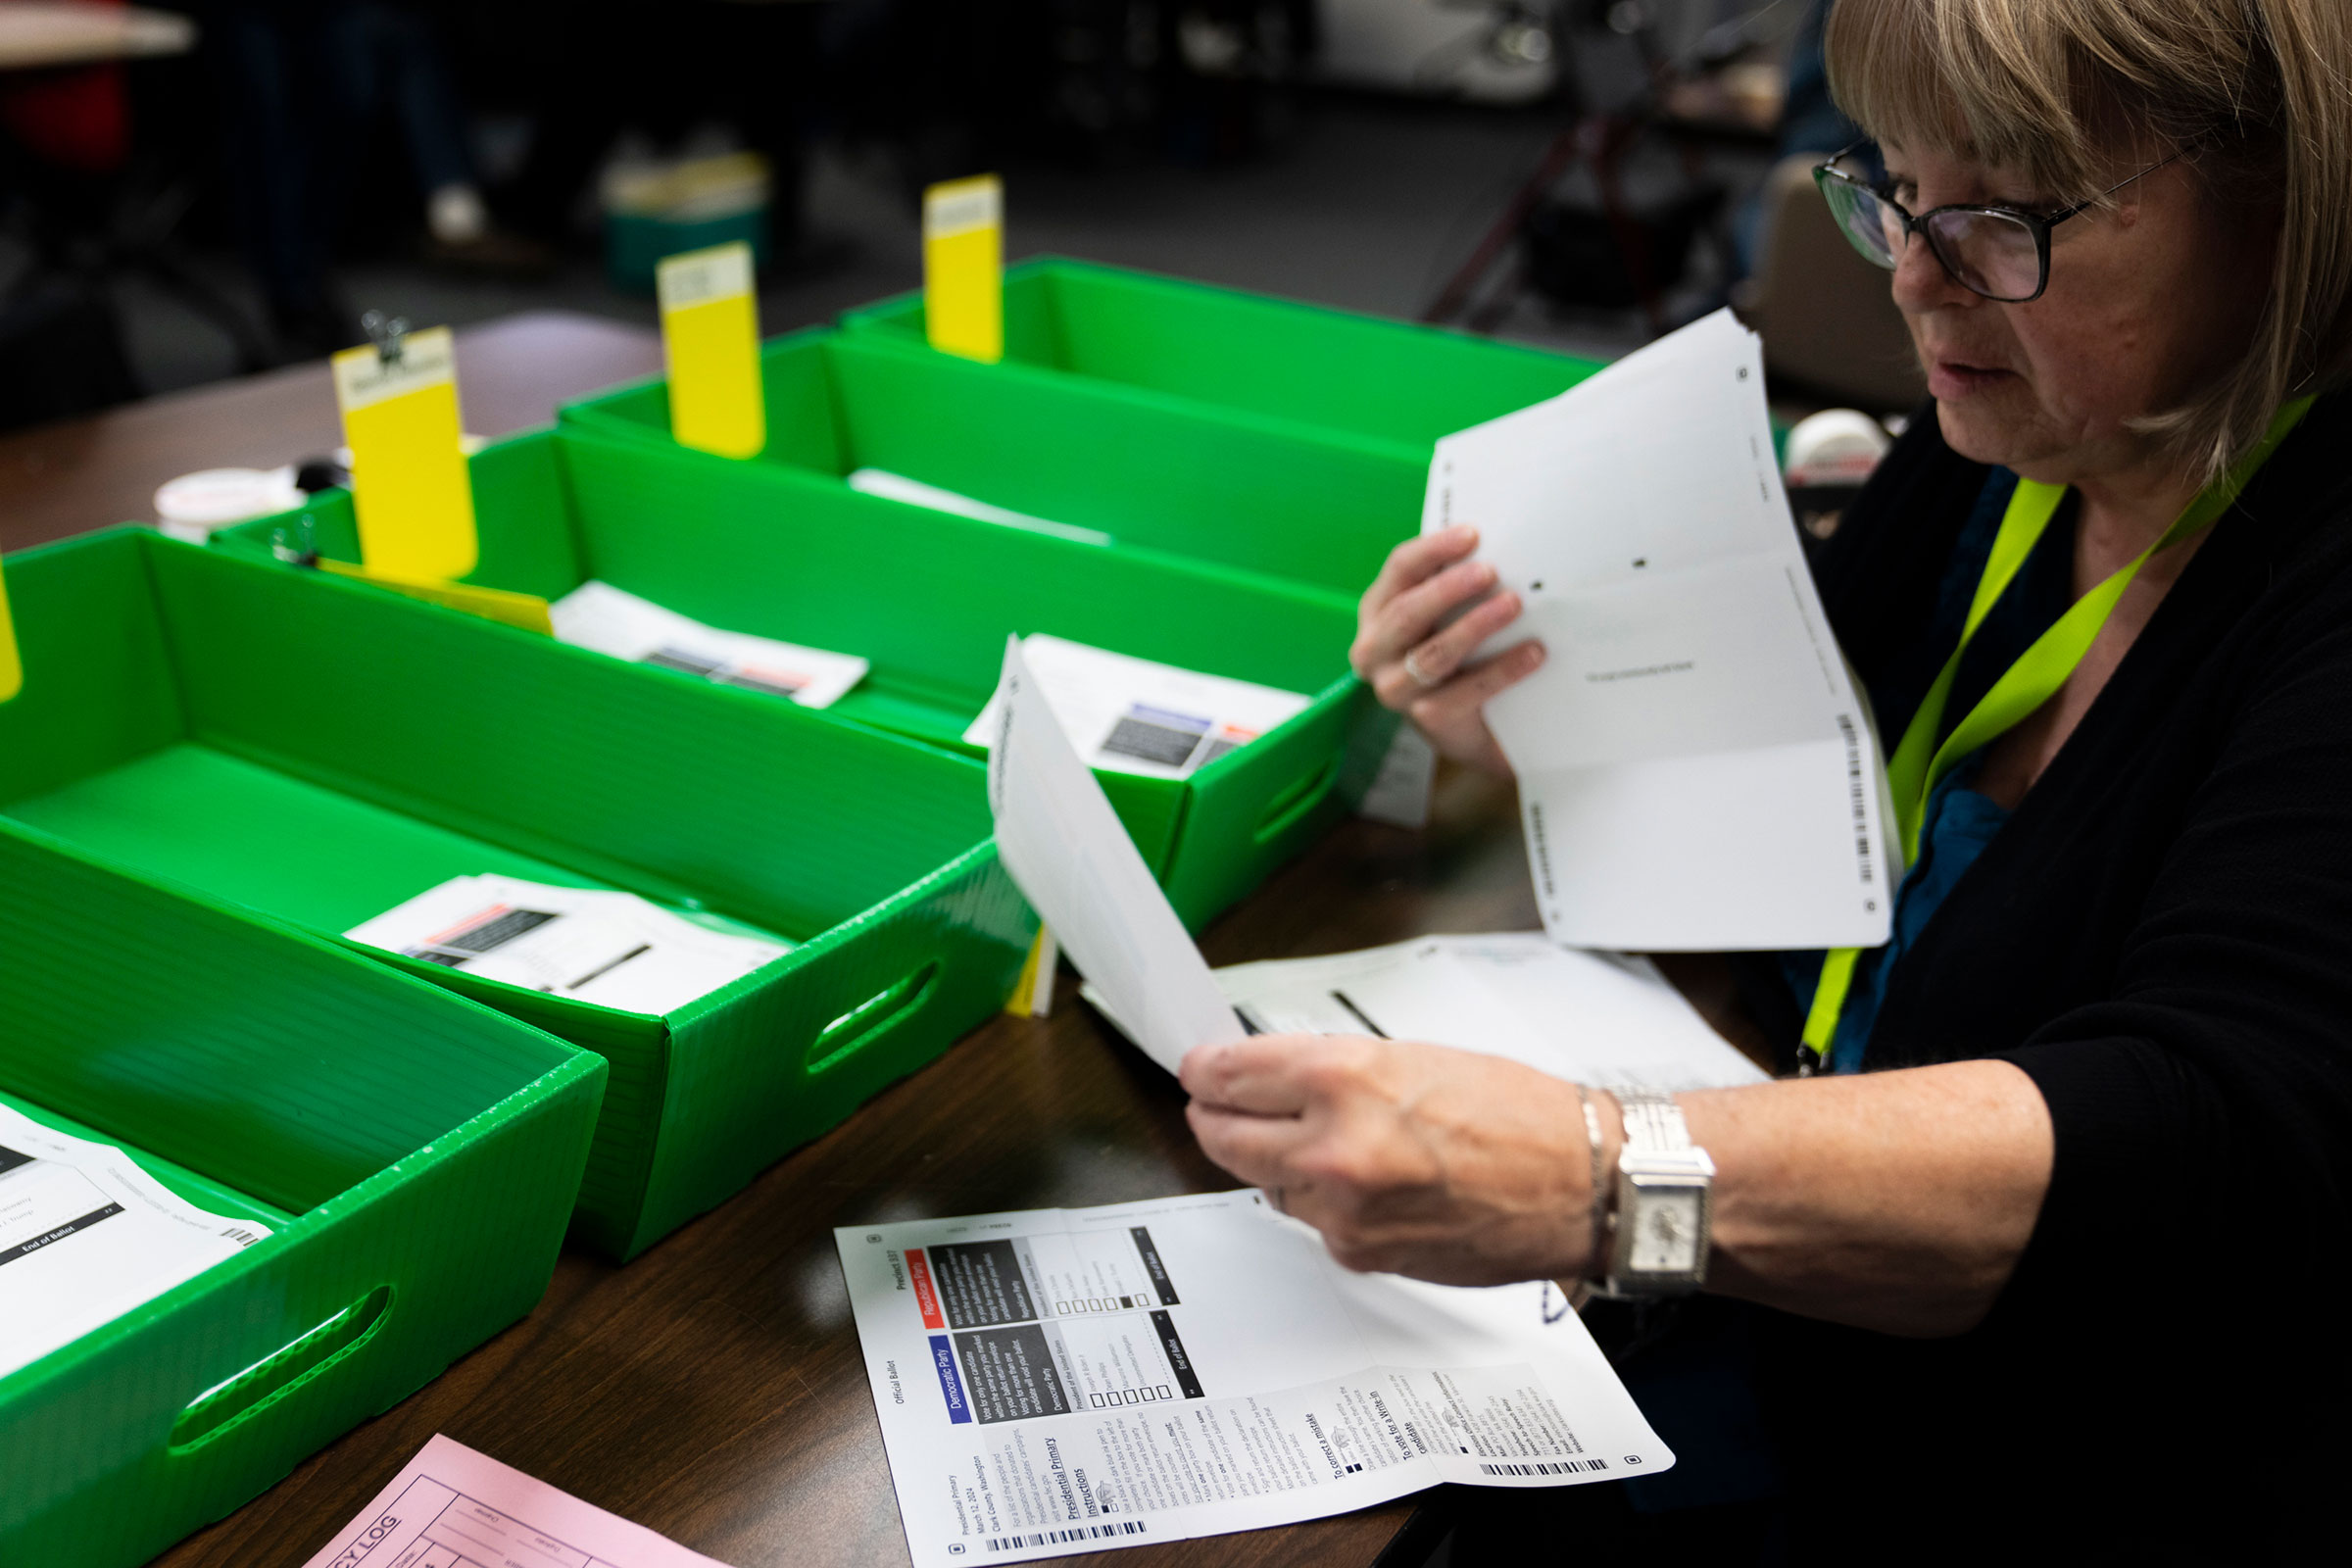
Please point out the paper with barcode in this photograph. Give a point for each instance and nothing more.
(1061, 1381)
(86, 1236)
(613, 950)
(1697, 769)
(611, 620)
(1608, 1019)
(1134, 715)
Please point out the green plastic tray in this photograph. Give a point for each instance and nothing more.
(928, 598)
(1151, 468)
(1252, 353)
(321, 751)
(417, 1155)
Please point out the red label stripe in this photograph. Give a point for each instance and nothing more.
(926, 1299)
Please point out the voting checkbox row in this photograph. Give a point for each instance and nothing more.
(1099, 1303)
(1131, 1397)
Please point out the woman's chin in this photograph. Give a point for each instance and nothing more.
(1980, 430)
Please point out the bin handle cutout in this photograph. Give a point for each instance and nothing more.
(1294, 803)
(870, 1019)
(276, 1376)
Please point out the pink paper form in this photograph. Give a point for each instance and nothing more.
(454, 1508)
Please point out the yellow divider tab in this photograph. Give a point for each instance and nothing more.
(527, 611)
(711, 335)
(12, 665)
(409, 483)
(963, 267)
(1033, 993)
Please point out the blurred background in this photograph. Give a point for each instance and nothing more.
(204, 191)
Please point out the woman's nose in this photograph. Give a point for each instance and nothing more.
(1921, 284)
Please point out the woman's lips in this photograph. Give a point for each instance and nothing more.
(1951, 378)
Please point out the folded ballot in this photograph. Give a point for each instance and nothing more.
(87, 1235)
(1605, 1019)
(611, 620)
(1063, 847)
(613, 950)
(1133, 715)
(1584, 1016)
(1697, 769)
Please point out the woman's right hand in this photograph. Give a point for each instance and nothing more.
(1418, 669)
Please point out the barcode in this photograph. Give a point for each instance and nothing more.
(684, 661)
(1855, 785)
(239, 1235)
(496, 933)
(1058, 1538)
(1556, 1467)
(1154, 741)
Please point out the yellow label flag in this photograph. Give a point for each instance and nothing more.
(710, 334)
(12, 664)
(1033, 993)
(963, 267)
(527, 612)
(409, 482)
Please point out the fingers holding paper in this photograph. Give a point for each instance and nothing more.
(1429, 609)
(1409, 1158)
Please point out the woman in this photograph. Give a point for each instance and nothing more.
(2062, 1227)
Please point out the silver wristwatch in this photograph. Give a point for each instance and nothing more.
(1658, 1246)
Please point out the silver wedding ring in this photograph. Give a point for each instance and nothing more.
(1412, 667)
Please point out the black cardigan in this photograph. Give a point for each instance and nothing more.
(2161, 937)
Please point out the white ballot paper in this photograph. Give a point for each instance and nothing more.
(1695, 767)
(1065, 1380)
(1133, 715)
(915, 493)
(1064, 848)
(610, 948)
(85, 1236)
(1604, 1019)
(611, 620)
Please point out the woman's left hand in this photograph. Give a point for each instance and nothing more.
(1410, 1158)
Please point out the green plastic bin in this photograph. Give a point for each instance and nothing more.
(1251, 355)
(1147, 468)
(928, 598)
(416, 1155)
(322, 751)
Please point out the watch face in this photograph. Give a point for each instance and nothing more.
(1666, 1230)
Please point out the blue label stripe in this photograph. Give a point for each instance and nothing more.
(943, 1361)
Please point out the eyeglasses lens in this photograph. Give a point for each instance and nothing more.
(1992, 253)
(1870, 223)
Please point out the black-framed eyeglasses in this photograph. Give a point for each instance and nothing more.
(2002, 252)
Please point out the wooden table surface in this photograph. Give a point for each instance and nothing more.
(79, 474)
(712, 1390)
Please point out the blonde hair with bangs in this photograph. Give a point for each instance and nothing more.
(2257, 92)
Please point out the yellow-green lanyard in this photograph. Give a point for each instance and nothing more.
(1919, 764)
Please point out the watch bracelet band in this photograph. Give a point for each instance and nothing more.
(1652, 1120)
(1653, 1125)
